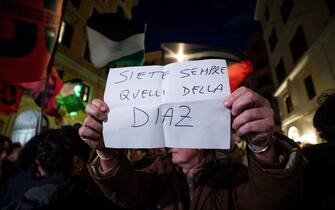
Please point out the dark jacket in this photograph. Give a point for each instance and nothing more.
(16, 186)
(319, 185)
(164, 186)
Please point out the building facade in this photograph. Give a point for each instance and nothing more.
(72, 62)
(299, 37)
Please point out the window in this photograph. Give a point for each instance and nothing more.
(280, 71)
(309, 85)
(76, 3)
(331, 6)
(25, 126)
(273, 40)
(86, 93)
(82, 91)
(65, 34)
(298, 44)
(285, 9)
(267, 14)
(87, 53)
(289, 105)
(263, 81)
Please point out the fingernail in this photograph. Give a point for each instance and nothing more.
(103, 108)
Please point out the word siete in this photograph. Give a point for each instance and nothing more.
(130, 75)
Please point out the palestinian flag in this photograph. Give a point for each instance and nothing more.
(113, 39)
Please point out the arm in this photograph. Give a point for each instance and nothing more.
(253, 118)
(274, 161)
(112, 171)
(277, 185)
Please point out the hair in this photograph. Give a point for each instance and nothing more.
(324, 117)
(5, 144)
(57, 148)
(17, 145)
(28, 154)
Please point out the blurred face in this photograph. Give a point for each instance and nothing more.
(3, 155)
(160, 152)
(186, 158)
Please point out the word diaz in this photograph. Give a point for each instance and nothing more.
(169, 117)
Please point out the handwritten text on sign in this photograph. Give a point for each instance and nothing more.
(177, 105)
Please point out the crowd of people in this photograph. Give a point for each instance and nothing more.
(69, 168)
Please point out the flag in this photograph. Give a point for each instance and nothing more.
(238, 72)
(136, 59)
(27, 38)
(115, 39)
(10, 97)
(69, 97)
(36, 89)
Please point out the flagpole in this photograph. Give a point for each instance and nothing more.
(49, 68)
(40, 119)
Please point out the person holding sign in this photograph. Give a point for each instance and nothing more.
(196, 178)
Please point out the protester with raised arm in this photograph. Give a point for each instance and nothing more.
(198, 179)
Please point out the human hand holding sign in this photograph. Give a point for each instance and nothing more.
(91, 133)
(91, 130)
(253, 118)
(252, 114)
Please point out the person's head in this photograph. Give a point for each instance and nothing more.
(159, 152)
(61, 152)
(28, 153)
(5, 147)
(324, 117)
(136, 154)
(187, 158)
(16, 150)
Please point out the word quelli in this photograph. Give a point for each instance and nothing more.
(147, 93)
(168, 117)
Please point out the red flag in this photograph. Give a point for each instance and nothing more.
(35, 90)
(27, 37)
(238, 72)
(10, 97)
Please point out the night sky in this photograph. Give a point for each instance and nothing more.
(218, 23)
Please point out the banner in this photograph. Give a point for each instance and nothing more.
(35, 90)
(27, 38)
(10, 97)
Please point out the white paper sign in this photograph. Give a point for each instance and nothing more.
(177, 105)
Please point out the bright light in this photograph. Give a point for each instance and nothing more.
(61, 32)
(293, 133)
(77, 89)
(309, 138)
(73, 113)
(180, 55)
